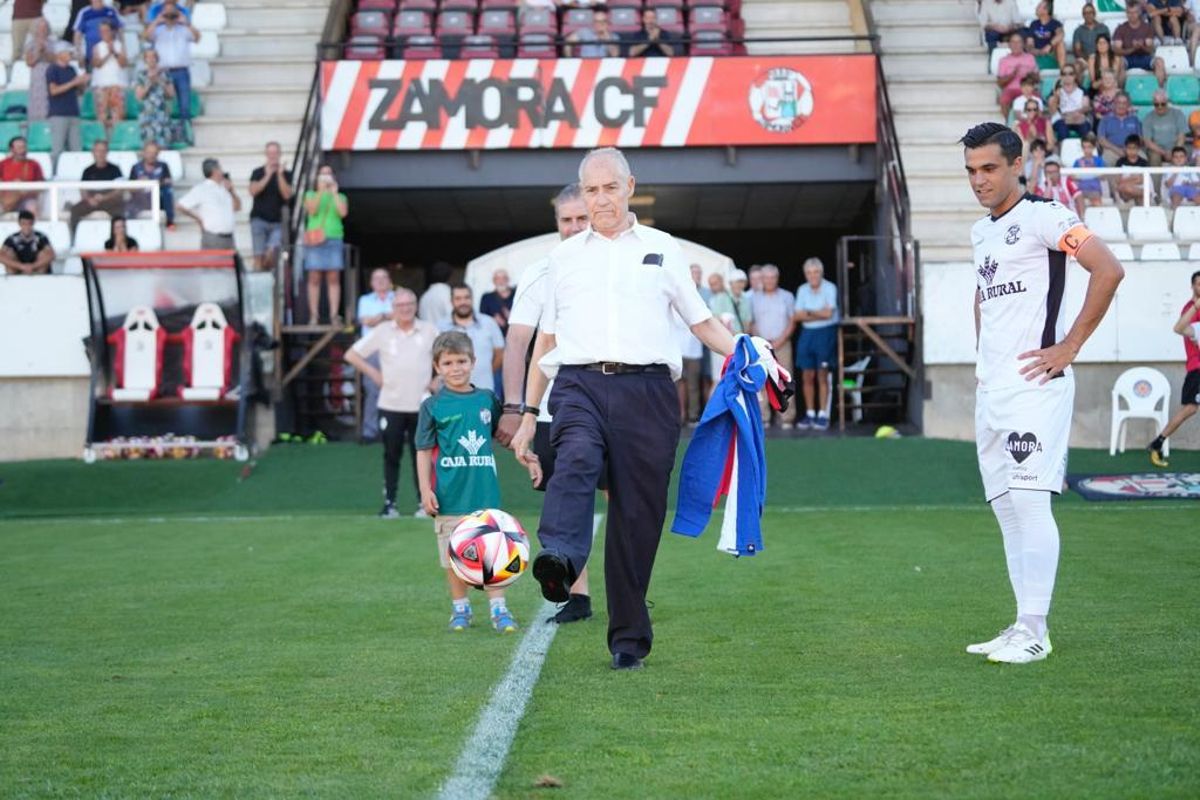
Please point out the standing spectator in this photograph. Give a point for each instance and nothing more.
(1130, 185)
(651, 40)
(1032, 126)
(63, 84)
(484, 333)
(731, 307)
(1012, 69)
(1187, 326)
(154, 90)
(598, 41)
(1182, 187)
(325, 208)
(149, 168)
(18, 168)
(396, 356)
(156, 8)
(118, 240)
(87, 28)
(698, 279)
(1046, 39)
(110, 201)
(109, 78)
(1071, 106)
(497, 303)
(25, 15)
(436, 306)
(26, 252)
(1115, 129)
(213, 203)
(1192, 139)
(1053, 186)
(754, 280)
(772, 310)
(1083, 42)
(999, 20)
(39, 55)
(817, 312)
(1164, 129)
(172, 35)
(1091, 189)
(272, 190)
(1134, 40)
(374, 309)
(1166, 17)
(1104, 96)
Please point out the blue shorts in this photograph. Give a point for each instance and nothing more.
(1139, 61)
(1187, 190)
(325, 257)
(817, 348)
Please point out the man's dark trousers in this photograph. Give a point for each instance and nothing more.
(397, 427)
(633, 419)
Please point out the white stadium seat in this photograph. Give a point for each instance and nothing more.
(43, 160)
(72, 266)
(59, 234)
(58, 16)
(6, 17)
(125, 159)
(1105, 222)
(1069, 150)
(146, 231)
(18, 77)
(71, 165)
(91, 235)
(1160, 251)
(209, 16)
(209, 45)
(201, 74)
(174, 162)
(1066, 9)
(1186, 225)
(1175, 59)
(1028, 9)
(1000, 52)
(1122, 250)
(1148, 224)
(1193, 253)
(3, 74)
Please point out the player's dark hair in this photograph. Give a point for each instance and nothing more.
(994, 133)
(453, 343)
(24, 214)
(1133, 138)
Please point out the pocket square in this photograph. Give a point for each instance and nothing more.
(653, 258)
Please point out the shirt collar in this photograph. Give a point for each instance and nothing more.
(636, 229)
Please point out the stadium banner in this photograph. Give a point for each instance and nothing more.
(488, 104)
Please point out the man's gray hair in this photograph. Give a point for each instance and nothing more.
(403, 291)
(610, 153)
(769, 269)
(813, 261)
(567, 194)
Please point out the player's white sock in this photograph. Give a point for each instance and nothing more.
(1039, 555)
(1010, 528)
(496, 603)
(1035, 623)
(461, 604)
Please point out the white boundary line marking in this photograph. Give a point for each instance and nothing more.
(483, 756)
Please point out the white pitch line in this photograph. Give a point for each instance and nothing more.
(483, 756)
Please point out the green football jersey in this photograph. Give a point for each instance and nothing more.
(458, 427)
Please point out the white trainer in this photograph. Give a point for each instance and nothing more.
(1023, 647)
(992, 645)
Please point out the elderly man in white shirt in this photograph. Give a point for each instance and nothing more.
(606, 330)
(212, 203)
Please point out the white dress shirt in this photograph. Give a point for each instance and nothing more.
(612, 299)
(528, 303)
(213, 204)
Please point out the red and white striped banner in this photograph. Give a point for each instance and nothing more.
(489, 104)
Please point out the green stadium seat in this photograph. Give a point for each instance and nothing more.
(1183, 90)
(39, 137)
(126, 135)
(15, 104)
(87, 106)
(1141, 89)
(197, 105)
(8, 132)
(91, 131)
(133, 106)
(1048, 87)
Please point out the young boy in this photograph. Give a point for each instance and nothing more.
(459, 421)
(1129, 186)
(1183, 186)
(1090, 187)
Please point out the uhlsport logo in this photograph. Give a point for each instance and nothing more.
(1012, 235)
(987, 270)
(1022, 445)
(781, 100)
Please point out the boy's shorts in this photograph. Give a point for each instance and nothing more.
(444, 526)
(1021, 435)
(1188, 191)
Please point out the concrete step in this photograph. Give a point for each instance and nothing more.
(963, 96)
(904, 39)
(275, 16)
(246, 71)
(940, 191)
(905, 12)
(277, 42)
(959, 63)
(932, 159)
(932, 127)
(936, 252)
(214, 133)
(245, 101)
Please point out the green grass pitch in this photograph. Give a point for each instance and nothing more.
(167, 630)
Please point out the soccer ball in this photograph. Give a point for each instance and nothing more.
(489, 549)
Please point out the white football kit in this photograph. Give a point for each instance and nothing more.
(1022, 427)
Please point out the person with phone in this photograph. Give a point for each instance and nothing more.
(325, 208)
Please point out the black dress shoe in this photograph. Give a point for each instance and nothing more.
(553, 571)
(626, 661)
(579, 607)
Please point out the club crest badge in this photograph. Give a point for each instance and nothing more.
(1012, 235)
(781, 100)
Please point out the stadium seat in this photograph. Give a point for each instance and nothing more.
(625, 20)
(87, 106)
(3, 74)
(207, 354)
(1183, 90)
(1193, 253)
(1142, 390)
(453, 24)
(71, 265)
(1069, 150)
(1141, 89)
(364, 48)
(197, 105)
(126, 135)
(59, 235)
(657, 4)
(479, 46)
(1148, 224)
(636, 5)
(1122, 250)
(1186, 224)
(15, 104)
(997, 54)
(536, 45)
(124, 159)
(537, 20)
(18, 76)
(370, 23)
(422, 47)
(58, 16)
(9, 131)
(412, 23)
(133, 43)
(71, 164)
(137, 360)
(210, 16)
(208, 46)
(1175, 59)
(91, 235)
(1047, 87)
(707, 18)
(576, 19)
(201, 74)
(498, 23)
(39, 136)
(91, 131)
(670, 19)
(147, 232)
(711, 43)
(1105, 222)
(1160, 251)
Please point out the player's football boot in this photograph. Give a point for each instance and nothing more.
(1023, 647)
(389, 511)
(1156, 456)
(460, 620)
(503, 621)
(992, 645)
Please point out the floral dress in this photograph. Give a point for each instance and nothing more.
(154, 118)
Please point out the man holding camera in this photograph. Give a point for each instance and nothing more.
(172, 35)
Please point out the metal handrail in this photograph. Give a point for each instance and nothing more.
(891, 164)
(1147, 174)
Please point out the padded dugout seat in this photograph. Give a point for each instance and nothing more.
(138, 356)
(207, 354)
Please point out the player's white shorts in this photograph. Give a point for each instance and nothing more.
(1021, 435)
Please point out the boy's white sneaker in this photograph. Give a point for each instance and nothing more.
(1023, 647)
(992, 645)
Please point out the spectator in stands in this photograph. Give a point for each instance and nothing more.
(63, 84)
(651, 40)
(816, 309)
(1166, 17)
(772, 309)
(1193, 27)
(19, 168)
(1105, 59)
(436, 306)
(1192, 139)
(754, 280)
(598, 41)
(1046, 39)
(109, 78)
(1091, 189)
(272, 190)
(1012, 69)
(1033, 126)
(1181, 187)
(374, 309)
(213, 203)
(173, 34)
(87, 28)
(26, 252)
(325, 208)
(697, 272)
(999, 19)
(1031, 92)
(154, 90)
(110, 201)
(1134, 40)
(156, 8)
(484, 334)
(1083, 42)
(1131, 185)
(1069, 106)
(732, 307)
(1052, 185)
(1164, 129)
(25, 14)
(1116, 128)
(118, 240)
(497, 303)
(1033, 163)
(1104, 96)
(149, 168)
(39, 55)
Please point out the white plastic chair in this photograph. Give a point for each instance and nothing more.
(1146, 394)
(3, 74)
(174, 162)
(1175, 59)
(1186, 224)
(59, 234)
(124, 159)
(72, 163)
(1000, 52)
(209, 45)
(147, 232)
(1028, 9)
(58, 16)
(1122, 250)
(209, 16)
(19, 77)
(43, 160)
(91, 235)
(201, 74)
(1149, 224)
(1161, 251)
(1194, 252)
(1066, 9)
(1069, 150)
(1105, 222)
(858, 371)
(6, 12)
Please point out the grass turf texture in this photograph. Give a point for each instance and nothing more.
(307, 656)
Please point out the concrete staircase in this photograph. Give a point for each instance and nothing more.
(785, 18)
(939, 85)
(259, 88)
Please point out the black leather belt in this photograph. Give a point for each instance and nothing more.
(616, 368)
